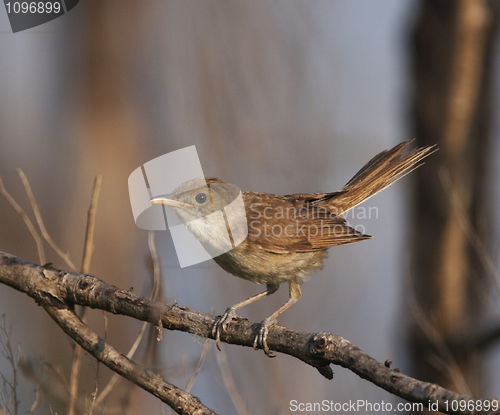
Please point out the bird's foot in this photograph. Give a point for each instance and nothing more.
(261, 338)
(221, 324)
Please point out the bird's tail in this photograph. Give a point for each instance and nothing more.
(380, 172)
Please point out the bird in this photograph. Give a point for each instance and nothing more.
(287, 237)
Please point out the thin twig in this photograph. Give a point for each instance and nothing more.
(156, 266)
(27, 221)
(154, 292)
(87, 256)
(73, 379)
(89, 235)
(94, 394)
(41, 224)
(206, 348)
(115, 378)
(58, 371)
(56, 391)
(472, 235)
(445, 360)
(37, 399)
(228, 380)
(9, 355)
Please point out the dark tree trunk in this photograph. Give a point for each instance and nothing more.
(452, 62)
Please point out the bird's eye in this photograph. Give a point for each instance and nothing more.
(201, 198)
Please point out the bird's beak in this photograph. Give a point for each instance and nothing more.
(165, 201)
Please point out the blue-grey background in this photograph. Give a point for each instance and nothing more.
(278, 96)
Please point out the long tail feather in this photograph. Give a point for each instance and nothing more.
(380, 172)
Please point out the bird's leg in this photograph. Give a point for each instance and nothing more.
(261, 338)
(221, 324)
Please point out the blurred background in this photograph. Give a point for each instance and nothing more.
(279, 96)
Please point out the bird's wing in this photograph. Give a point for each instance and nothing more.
(294, 223)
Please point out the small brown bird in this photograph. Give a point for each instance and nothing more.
(288, 236)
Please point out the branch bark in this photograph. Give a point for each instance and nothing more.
(46, 285)
(57, 291)
(179, 400)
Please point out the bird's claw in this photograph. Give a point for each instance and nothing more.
(261, 338)
(221, 324)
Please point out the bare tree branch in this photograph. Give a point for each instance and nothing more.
(58, 290)
(61, 313)
(39, 220)
(27, 221)
(89, 234)
(177, 399)
(87, 256)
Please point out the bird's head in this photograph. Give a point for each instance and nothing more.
(209, 208)
(198, 198)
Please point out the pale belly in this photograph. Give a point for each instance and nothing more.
(263, 267)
